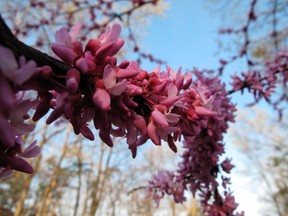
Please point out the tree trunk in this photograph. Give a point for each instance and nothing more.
(80, 164)
(48, 192)
(100, 182)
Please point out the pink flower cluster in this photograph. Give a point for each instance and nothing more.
(14, 110)
(262, 83)
(258, 83)
(123, 100)
(164, 182)
(200, 167)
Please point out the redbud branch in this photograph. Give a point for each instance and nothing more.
(275, 24)
(251, 17)
(136, 189)
(7, 39)
(128, 12)
(247, 85)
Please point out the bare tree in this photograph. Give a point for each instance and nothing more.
(46, 199)
(266, 147)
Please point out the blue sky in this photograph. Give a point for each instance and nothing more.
(185, 37)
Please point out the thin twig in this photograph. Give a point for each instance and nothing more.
(136, 189)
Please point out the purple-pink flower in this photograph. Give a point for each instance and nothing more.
(125, 101)
(66, 46)
(13, 113)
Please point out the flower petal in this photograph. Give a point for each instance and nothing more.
(75, 30)
(101, 99)
(104, 50)
(8, 62)
(172, 144)
(63, 37)
(151, 129)
(172, 90)
(172, 117)
(140, 123)
(42, 108)
(109, 77)
(86, 132)
(111, 35)
(55, 114)
(117, 46)
(133, 90)
(170, 101)
(131, 134)
(31, 151)
(15, 163)
(25, 72)
(65, 53)
(5, 173)
(104, 134)
(202, 111)
(118, 88)
(126, 73)
(82, 65)
(72, 80)
(159, 118)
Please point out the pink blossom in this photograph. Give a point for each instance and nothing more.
(262, 82)
(110, 82)
(152, 132)
(124, 100)
(65, 37)
(159, 119)
(199, 166)
(66, 46)
(110, 43)
(226, 165)
(14, 111)
(5, 172)
(166, 181)
(10, 69)
(10, 65)
(111, 34)
(72, 80)
(101, 99)
(31, 151)
(140, 124)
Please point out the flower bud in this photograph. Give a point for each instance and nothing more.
(72, 80)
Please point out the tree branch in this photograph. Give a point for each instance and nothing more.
(136, 189)
(7, 39)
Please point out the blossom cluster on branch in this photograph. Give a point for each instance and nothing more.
(125, 101)
(263, 83)
(14, 111)
(264, 49)
(200, 168)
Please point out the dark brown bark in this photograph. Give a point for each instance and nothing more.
(7, 39)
